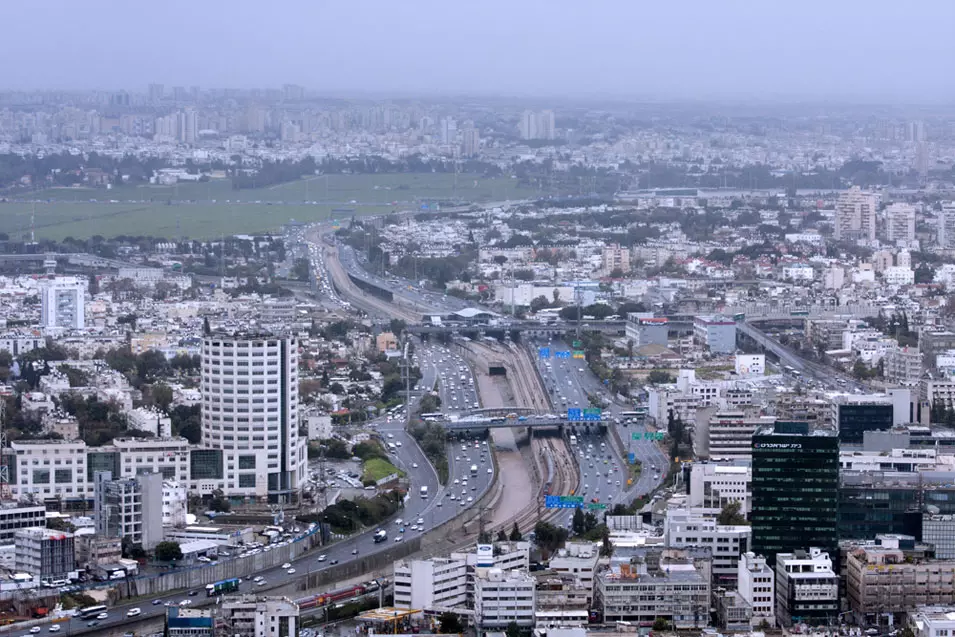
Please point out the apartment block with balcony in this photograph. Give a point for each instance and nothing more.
(888, 579)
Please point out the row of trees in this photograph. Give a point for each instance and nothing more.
(352, 515)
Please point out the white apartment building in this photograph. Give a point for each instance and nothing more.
(613, 257)
(662, 401)
(807, 589)
(900, 223)
(756, 583)
(19, 344)
(62, 303)
(580, 560)
(728, 435)
(45, 553)
(726, 542)
(946, 226)
(939, 391)
(798, 273)
(250, 411)
(713, 485)
(436, 584)
(933, 621)
(153, 420)
(444, 582)
(19, 516)
(253, 616)
(903, 365)
(855, 215)
(502, 597)
(175, 504)
(898, 275)
(129, 507)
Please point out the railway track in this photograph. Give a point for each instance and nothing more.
(554, 466)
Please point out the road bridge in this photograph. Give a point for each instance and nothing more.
(75, 258)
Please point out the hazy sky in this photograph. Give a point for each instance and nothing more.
(849, 49)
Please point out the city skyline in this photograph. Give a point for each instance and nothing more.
(734, 51)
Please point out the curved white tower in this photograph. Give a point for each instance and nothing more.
(250, 412)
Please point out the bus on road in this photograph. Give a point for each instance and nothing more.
(91, 611)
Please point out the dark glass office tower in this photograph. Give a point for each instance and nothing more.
(795, 490)
(856, 418)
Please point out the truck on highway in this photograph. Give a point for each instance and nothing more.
(424, 492)
(222, 587)
(380, 536)
(473, 469)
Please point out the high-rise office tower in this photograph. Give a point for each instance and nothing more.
(946, 226)
(545, 125)
(900, 222)
(470, 142)
(795, 489)
(250, 411)
(537, 125)
(449, 130)
(156, 92)
(188, 126)
(528, 125)
(855, 215)
(63, 303)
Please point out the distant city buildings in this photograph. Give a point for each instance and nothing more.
(537, 125)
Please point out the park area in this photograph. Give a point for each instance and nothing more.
(374, 469)
(213, 208)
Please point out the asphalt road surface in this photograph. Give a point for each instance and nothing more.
(603, 473)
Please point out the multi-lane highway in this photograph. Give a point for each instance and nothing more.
(442, 504)
(423, 300)
(456, 386)
(603, 472)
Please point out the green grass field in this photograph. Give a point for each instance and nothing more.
(215, 209)
(377, 468)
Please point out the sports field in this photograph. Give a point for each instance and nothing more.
(200, 210)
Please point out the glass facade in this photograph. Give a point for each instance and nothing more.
(856, 419)
(102, 461)
(205, 464)
(874, 503)
(795, 492)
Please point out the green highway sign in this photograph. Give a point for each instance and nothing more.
(576, 499)
(578, 344)
(636, 435)
(596, 505)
